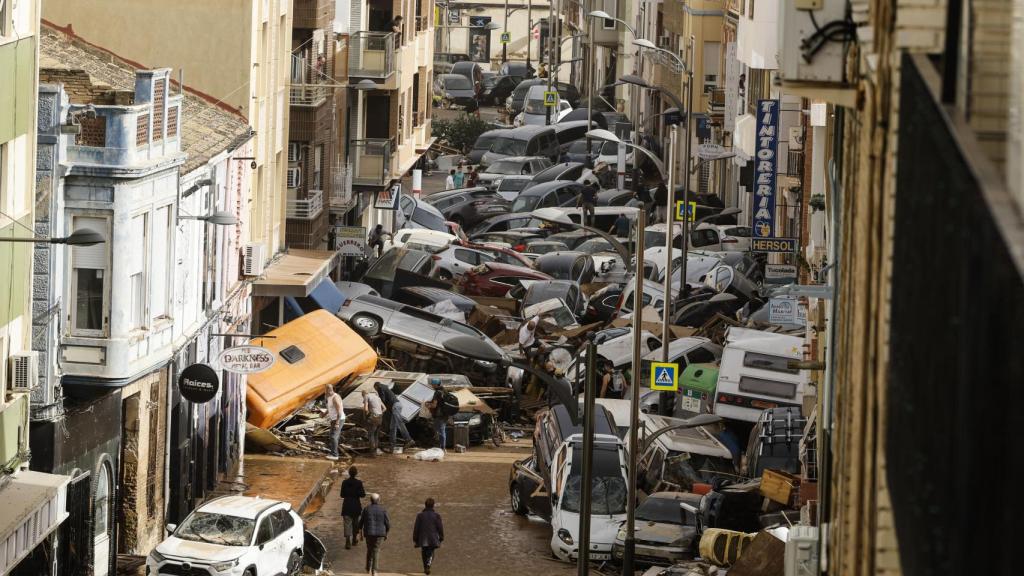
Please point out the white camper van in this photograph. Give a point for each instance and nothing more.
(755, 374)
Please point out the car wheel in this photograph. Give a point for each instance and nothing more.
(249, 572)
(518, 505)
(443, 274)
(366, 325)
(295, 563)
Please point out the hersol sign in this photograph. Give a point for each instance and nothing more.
(246, 359)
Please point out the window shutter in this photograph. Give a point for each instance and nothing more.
(92, 257)
(138, 240)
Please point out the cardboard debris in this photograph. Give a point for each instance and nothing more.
(655, 327)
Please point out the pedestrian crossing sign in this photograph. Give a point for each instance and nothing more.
(506, 37)
(665, 376)
(689, 212)
(551, 98)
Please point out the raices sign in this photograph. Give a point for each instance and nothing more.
(246, 359)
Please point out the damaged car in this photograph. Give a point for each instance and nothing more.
(666, 532)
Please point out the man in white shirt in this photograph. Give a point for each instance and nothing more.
(527, 340)
(449, 182)
(373, 407)
(336, 416)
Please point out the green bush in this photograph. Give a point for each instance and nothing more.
(460, 133)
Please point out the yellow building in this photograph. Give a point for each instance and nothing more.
(235, 53)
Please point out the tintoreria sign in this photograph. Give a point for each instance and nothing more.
(765, 168)
(246, 359)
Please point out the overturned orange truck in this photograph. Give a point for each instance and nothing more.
(309, 352)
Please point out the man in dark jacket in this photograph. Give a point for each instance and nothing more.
(428, 533)
(395, 422)
(660, 202)
(375, 525)
(351, 505)
(587, 200)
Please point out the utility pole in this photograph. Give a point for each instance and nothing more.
(590, 84)
(669, 230)
(529, 31)
(552, 44)
(629, 545)
(686, 167)
(587, 484)
(504, 45)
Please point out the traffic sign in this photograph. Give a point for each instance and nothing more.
(781, 245)
(665, 376)
(506, 37)
(690, 212)
(709, 151)
(551, 98)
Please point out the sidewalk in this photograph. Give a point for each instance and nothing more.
(299, 481)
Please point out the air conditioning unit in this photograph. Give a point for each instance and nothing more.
(801, 557)
(294, 177)
(24, 372)
(665, 41)
(294, 152)
(812, 38)
(253, 259)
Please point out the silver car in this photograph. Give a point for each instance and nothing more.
(372, 316)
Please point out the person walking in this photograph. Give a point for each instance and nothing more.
(449, 181)
(336, 416)
(395, 422)
(621, 226)
(460, 177)
(612, 382)
(587, 200)
(440, 420)
(352, 493)
(375, 524)
(660, 199)
(474, 178)
(373, 408)
(376, 240)
(427, 533)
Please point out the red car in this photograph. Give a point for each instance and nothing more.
(495, 279)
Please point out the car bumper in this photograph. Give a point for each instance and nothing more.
(176, 568)
(567, 553)
(660, 555)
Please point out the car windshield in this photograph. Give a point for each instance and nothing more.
(509, 147)
(653, 238)
(506, 167)
(595, 245)
(513, 184)
(428, 219)
(608, 487)
(525, 203)
(610, 148)
(684, 469)
(483, 143)
(534, 106)
(660, 510)
(578, 147)
(457, 83)
(541, 292)
(545, 247)
(216, 529)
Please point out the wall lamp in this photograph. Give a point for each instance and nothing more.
(252, 159)
(218, 218)
(82, 237)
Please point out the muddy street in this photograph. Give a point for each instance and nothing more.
(482, 535)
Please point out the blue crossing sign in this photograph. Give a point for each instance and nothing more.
(665, 376)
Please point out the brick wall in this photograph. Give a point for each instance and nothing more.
(988, 90)
(94, 132)
(159, 97)
(78, 86)
(142, 129)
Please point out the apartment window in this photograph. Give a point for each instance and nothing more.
(137, 272)
(318, 157)
(88, 279)
(161, 257)
(612, 8)
(750, 9)
(712, 64)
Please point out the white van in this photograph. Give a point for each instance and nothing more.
(755, 375)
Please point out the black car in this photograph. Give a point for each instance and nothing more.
(500, 223)
(575, 266)
(455, 89)
(604, 304)
(572, 238)
(516, 68)
(613, 197)
(567, 92)
(560, 171)
(499, 88)
(565, 290)
(482, 145)
(467, 206)
(577, 152)
(547, 195)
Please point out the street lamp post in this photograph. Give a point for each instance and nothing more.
(629, 548)
(504, 46)
(686, 169)
(583, 558)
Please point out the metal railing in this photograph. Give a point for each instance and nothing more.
(306, 208)
(716, 101)
(371, 161)
(422, 23)
(795, 163)
(372, 54)
(341, 198)
(308, 94)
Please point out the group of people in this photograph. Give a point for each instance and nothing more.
(612, 382)
(461, 177)
(372, 524)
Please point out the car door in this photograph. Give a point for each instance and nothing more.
(287, 537)
(266, 557)
(464, 260)
(416, 325)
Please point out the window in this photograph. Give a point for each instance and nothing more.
(88, 281)
(611, 7)
(266, 531)
(765, 387)
(318, 155)
(161, 257)
(282, 522)
(467, 256)
(700, 356)
(101, 503)
(712, 56)
(136, 270)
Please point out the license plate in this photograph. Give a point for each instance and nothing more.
(600, 556)
(690, 404)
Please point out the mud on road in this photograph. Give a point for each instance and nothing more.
(482, 535)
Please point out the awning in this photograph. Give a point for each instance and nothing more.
(295, 273)
(34, 506)
(745, 135)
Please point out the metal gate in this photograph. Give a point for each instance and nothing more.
(76, 546)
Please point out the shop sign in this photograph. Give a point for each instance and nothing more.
(198, 383)
(246, 359)
(766, 168)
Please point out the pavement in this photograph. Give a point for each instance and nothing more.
(482, 534)
(299, 481)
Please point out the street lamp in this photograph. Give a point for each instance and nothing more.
(366, 85)
(80, 237)
(558, 216)
(602, 134)
(218, 218)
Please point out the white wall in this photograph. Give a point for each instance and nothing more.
(757, 37)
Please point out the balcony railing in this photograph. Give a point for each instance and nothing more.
(309, 94)
(422, 23)
(306, 208)
(371, 161)
(795, 163)
(716, 102)
(371, 54)
(341, 198)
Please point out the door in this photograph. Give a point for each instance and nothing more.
(378, 107)
(463, 260)
(286, 538)
(266, 558)
(102, 521)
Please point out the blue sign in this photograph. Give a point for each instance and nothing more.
(781, 245)
(664, 376)
(766, 168)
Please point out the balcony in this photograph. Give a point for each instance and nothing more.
(306, 208)
(341, 199)
(422, 23)
(313, 14)
(795, 163)
(371, 161)
(309, 94)
(667, 75)
(371, 54)
(716, 103)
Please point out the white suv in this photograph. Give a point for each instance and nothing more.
(233, 536)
